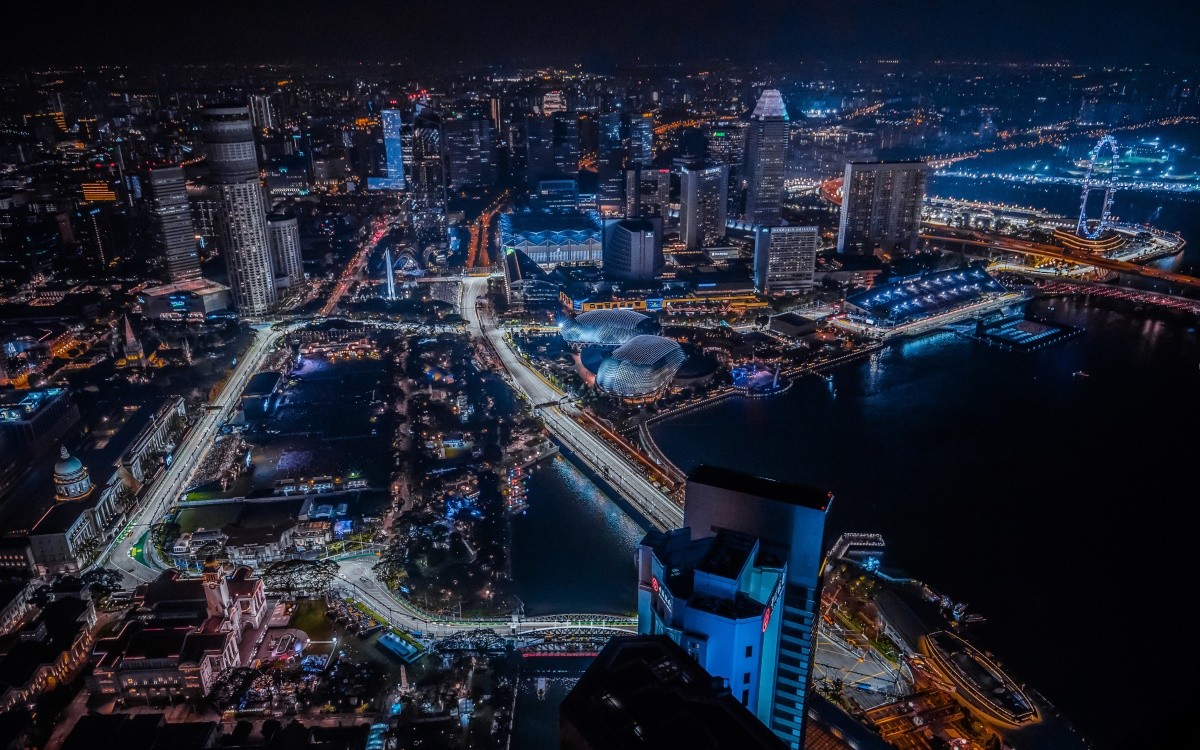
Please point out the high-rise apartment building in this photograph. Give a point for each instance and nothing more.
(283, 237)
(881, 207)
(392, 177)
(633, 249)
(703, 204)
(738, 588)
(171, 215)
(766, 154)
(785, 259)
(233, 167)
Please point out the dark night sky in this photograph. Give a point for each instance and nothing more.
(608, 31)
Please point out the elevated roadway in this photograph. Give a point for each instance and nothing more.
(621, 473)
(188, 455)
(1053, 252)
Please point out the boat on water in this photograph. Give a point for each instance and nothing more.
(541, 688)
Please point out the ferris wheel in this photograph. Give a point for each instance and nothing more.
(1091, 182)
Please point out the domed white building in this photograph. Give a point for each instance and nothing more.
(71, 478)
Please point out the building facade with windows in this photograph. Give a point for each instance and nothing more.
(738, 588)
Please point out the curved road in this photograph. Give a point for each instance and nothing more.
(617, 470)
(188, 455)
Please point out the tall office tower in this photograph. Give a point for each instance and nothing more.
(785, 259)
(171, 214)
(494, 111)
(566, 144)
(647, 192)
(552, 147)
(881, 206)
(427, 177)
(470, 155)
(641, 139)
(727, 144)
(283, 237)
(229, 140)
(610, 156)
(738, 588)
(392, 172)
(703, 204)
(632, 249)
(206, 214)
(263, 112)
(766, 152)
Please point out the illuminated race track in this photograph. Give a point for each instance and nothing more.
(187, 456)
(620, 473)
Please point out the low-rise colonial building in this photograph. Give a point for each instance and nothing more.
(44, 653)
(182, 633)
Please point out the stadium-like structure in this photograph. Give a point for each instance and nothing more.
(921, 296)
(640, 369)
(606, 327)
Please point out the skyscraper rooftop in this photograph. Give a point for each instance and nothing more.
(770, 104)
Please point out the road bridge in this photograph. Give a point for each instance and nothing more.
(1053, 252)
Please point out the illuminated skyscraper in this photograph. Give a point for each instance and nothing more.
(233, 167)
(738, 587)
(393, 150)
(283, 237)
(610, 158)
(552, 147)
(881, 206)
(632, 249)
(470, 154)
(641, 139)
(647, 191)
(171, 214)
(703, 202)
(785, 259)
(766, 152)
(554, 101)
(263, 112)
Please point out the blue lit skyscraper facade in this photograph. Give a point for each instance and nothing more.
(393, 154)
(738, 588)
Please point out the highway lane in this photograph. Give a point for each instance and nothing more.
(188, 455)
(598, 454)
(356, 577)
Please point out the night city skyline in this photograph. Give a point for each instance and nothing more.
(540, 31)
(543, 376)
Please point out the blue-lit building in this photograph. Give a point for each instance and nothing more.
(553, 238)
(393, 154)
(641, 369)
(738, 588)
(556, 196)
(609, 328)
(920, 296)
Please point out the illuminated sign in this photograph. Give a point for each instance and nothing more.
(663, 595)
(766, 620)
